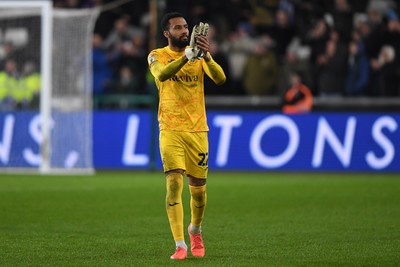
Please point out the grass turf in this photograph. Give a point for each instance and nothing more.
(252, 219)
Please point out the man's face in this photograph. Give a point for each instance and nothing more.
(178, 32)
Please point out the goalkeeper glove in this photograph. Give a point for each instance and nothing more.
(193, 52)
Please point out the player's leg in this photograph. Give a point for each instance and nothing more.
(198, 201)
(197, 170)
(172, 155)
(174, 209)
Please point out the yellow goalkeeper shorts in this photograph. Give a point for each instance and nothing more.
(185, 150)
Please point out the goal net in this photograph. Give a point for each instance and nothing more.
(45, 87)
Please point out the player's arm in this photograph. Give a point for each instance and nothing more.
(213, 70)
(163, 72)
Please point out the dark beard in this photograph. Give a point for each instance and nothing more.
(179, 43)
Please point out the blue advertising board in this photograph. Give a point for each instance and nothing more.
(323, 142)
(239, 140)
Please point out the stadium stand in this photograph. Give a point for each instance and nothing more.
(346, 51)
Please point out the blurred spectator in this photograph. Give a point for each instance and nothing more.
(331, 70)
(4, 97)
(102, 66)
(237, 48)
(298, 98)
(7, 51)
(32, 80)
(13, 91)
(316, 38)
(384, 81)
(128, 43)
(371, 32)
(104, 22)
(198, 12)
(380, 6)
(10, 51)
(282, 33)
(296, 60)
(227, 19)
(358, 70)
(260, 71)
(122, 35)
(288, 6)
(132, 55)
(126, 83)
(239, 11)
(392, 33)
(263, 14)
(307, 12)
(394, 40)
(343, 19)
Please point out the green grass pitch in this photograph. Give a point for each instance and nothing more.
(252, 219)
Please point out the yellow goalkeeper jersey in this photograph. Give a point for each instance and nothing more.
(181, 97)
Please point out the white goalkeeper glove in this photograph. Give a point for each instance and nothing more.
(193, 52)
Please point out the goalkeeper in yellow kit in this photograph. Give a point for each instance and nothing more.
(179, 70)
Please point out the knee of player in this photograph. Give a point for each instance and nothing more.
(193, 181)
(171, 172)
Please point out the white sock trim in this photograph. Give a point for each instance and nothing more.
(195, 229)
(181, 243)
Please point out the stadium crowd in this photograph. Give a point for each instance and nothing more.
(337, 47)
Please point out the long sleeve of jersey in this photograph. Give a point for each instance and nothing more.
(164, 72)
(214, 71)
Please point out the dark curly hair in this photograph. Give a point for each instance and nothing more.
(165, 19)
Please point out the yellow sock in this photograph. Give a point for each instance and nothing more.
(198, 201)
(174, 205)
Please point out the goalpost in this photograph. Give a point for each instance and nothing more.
(58, 43)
